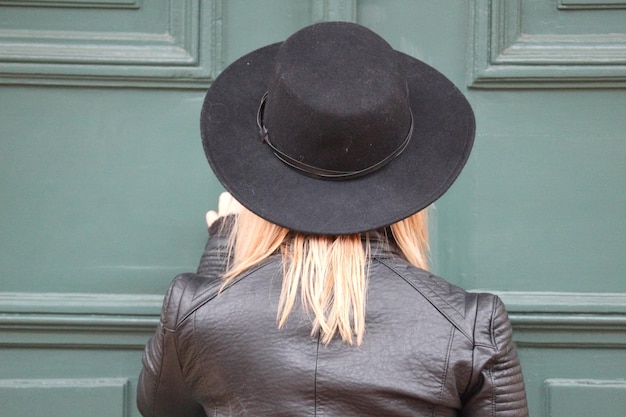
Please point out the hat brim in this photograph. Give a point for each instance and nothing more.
(443, 135)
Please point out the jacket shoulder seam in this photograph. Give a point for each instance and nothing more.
(435, 299)
(197, 301)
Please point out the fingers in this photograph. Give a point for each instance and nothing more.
(226, 205)
(211, 216)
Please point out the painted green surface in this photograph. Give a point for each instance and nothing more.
(45, 397)
(57, 380)
(103, 183)
(103, 190)
(586, 397)
(544, 194)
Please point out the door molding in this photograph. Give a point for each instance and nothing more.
(126, 321)
(504, 55)
(184, 50)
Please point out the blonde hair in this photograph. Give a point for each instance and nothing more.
(329, 273)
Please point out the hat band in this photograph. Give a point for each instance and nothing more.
(322, 173)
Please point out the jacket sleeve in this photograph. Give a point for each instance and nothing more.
(214, 259)
(161, 390)
(497, 387)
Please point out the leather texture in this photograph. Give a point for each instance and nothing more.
(430, 349)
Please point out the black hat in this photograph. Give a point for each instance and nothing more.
(334, 132)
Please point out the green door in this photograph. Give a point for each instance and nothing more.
(103, 183)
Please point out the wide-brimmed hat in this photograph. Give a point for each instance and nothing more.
(334, 132)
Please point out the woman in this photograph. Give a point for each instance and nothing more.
(312, 297)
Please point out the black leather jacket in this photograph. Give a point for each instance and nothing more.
(430, 349)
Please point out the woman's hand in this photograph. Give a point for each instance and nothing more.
(226, 205)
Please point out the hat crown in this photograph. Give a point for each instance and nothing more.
(337, 98)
